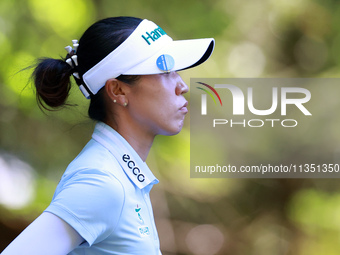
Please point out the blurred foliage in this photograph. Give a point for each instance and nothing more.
(268, 38)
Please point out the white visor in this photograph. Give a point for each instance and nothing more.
(148, 50)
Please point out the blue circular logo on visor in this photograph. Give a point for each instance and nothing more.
(165, 62)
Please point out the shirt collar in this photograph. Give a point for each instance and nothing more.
(133, 166)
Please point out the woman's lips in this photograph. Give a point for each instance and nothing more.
(184, 108)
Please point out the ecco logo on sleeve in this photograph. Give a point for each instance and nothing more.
(135, 170)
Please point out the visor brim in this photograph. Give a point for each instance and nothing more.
(186, 54)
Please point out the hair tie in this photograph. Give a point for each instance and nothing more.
(71, 57)
(72, 60)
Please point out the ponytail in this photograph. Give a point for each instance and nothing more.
(52, 76)
(52, 82)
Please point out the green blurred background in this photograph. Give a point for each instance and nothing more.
(268, 38)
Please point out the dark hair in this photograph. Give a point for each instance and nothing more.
(52, 76)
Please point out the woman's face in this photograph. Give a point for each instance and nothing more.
(157, 104)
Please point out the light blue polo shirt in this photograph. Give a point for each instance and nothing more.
(104, 196)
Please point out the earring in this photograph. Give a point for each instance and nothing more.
(125, 104)
(115, 101)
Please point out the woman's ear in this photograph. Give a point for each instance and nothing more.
(116, 91)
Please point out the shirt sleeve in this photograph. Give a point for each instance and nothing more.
(91, 202)
(47, 234)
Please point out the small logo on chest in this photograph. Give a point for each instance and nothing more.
(142, 229)
(137, 210)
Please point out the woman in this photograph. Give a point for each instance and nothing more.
(127, 67)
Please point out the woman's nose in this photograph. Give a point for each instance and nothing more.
(181, 86)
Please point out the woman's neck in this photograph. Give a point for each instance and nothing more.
(139, 140)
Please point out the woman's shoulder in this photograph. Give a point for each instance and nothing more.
(95, 169)
(93, 161)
